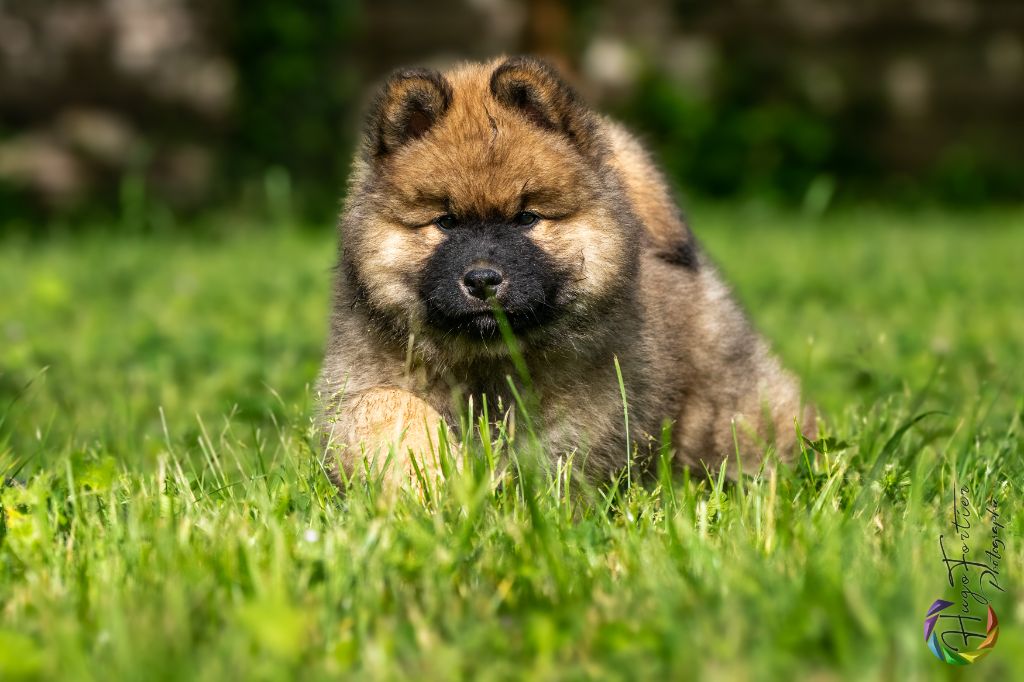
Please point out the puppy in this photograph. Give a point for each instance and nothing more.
(497, 235)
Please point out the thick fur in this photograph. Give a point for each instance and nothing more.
(609, 270)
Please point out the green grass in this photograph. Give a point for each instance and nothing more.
(170, 520)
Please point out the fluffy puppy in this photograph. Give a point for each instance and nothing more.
(488, 208)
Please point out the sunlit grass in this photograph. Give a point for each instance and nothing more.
(170, 518)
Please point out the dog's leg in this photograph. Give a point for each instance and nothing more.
(380, 432)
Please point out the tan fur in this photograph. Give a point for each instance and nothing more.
(389, 428)
(647, 189)
(491, 140)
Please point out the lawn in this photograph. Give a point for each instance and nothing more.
(167, 518)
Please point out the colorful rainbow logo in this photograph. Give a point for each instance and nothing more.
(944, 653)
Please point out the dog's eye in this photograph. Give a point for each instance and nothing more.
(526, 218)
(447, 221)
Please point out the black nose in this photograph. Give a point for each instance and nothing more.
(481, 282)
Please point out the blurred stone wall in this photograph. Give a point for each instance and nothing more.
(94, 90)
(916, 80)
(190, 98)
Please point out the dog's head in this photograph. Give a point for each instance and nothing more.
(486, 188)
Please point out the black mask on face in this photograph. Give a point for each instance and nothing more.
(483, 263)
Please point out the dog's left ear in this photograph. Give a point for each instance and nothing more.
(536, 90)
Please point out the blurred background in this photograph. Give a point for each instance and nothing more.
(151, 111)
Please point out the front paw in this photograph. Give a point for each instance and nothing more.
(386, 432)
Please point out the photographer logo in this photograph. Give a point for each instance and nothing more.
(964, 628)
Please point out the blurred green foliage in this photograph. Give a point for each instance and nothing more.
(297, 85)
(729, 146)
(756, 135)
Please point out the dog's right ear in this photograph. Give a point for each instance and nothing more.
(409, 104)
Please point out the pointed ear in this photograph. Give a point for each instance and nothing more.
(534, 89)
(409, 104)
